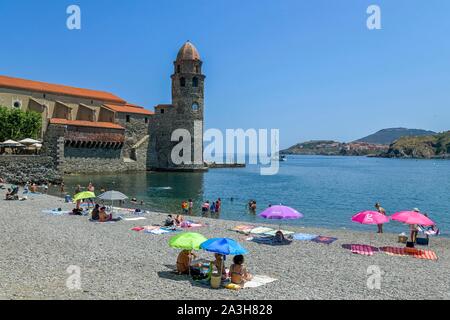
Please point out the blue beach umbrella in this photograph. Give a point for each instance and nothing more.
(223, 246)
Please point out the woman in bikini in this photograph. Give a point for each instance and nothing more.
(239, 273)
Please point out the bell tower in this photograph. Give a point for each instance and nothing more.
(188, 83)
(185, 112)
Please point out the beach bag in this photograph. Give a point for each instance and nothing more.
(410, 244)
(216, 280)
(422, 241)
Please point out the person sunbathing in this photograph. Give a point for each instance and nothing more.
(170, 222)
(280, 238)
(184, 261)
(9, 194)
(96, 213)
(238, 271)
(103, 216)
(179, 219)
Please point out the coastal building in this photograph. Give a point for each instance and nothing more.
(86, 130)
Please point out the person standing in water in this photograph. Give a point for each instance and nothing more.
(381, 210)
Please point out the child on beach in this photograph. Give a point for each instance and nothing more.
(185, 207)
(184, 261)
(238, 272)
(191, 206)
(383, 212)
(219, 263)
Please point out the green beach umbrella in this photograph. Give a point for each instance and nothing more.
(187, 241)
(83, 195)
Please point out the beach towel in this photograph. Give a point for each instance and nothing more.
(261, 230)
(192, 225)
(96, 221)
(402, 252)
(55, 212)
(324, 240)
(243, 228)
(304, 236)
(273, 232)
(363, 249)
(134, 219)
(157, 231)
(137, 229)
(258, 281)
(269, 241)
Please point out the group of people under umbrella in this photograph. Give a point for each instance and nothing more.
(221, 247)
(416, 220)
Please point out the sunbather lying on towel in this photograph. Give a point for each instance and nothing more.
(280, 238)
(238, 272)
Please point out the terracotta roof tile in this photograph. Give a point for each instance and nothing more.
(82, 123)
(16, 83)
(129, 108)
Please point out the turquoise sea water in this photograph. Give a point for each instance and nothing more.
(327, 190)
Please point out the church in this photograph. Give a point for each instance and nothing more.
(90, 131)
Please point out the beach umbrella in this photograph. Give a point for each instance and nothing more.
(370, 217)
(223, 246)
(280, 213)
(412, 217)
(29, 141)
(83, 195)
(187, 241)
(112, 196)
(11, 144)
(37, 145)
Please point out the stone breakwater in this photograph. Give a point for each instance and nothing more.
(18, 169)
(117, 263)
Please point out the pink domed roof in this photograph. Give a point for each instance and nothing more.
(188, 52)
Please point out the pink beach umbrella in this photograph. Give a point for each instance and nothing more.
(412, 217)
(280, 213)
(370, 217)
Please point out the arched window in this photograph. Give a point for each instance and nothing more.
(195, 82)
(182, 82)
(197, 69)
(195, 107)
(178, 68)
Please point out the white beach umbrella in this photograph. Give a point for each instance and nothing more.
(37, 145)
(29, 141)
(112, 196)
(11, 143)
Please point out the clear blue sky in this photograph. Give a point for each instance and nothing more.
(308, 67)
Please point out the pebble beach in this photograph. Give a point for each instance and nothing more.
(118, 263)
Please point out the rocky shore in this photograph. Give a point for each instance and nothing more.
(116, 263)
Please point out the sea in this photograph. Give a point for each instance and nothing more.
(328, 190)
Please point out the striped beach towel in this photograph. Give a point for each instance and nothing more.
(363, 249)
(401, 252)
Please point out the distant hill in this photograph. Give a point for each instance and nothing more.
(422, 147)
(388, 136)
(334, 148)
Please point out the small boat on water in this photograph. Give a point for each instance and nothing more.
(279, 158)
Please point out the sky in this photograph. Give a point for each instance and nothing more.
(310, 68)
